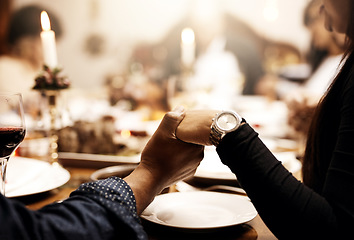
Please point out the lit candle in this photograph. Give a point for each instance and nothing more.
(125, 133)
(187, 47)
(48, 42)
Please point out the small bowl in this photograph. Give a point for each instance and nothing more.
(117, 171)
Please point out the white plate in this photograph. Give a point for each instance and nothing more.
(212, 169)
(119, 171)
(26, 176)
(95, 160)
(199, 210)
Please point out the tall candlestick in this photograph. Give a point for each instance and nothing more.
(48, 42)
(187, 47)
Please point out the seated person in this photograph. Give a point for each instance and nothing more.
(109, 209)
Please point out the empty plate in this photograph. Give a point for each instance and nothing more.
(199, 210)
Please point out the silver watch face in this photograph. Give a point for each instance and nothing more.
(227, 121)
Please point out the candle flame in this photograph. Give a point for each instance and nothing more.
(125, 133)
(45, 22)
(187, 36)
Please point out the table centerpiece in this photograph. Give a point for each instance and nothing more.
(49, 83)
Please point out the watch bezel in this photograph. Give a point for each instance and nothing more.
(237, 117)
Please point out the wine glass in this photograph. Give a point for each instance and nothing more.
(12, 130)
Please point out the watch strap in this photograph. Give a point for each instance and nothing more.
(215, 135)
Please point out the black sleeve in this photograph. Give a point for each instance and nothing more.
(339, 183)
(289, 208)
(104, 209)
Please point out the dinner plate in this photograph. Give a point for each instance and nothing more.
(26, 176)
(212, 170)
(95, 160)
(199, 210)
(118, 171)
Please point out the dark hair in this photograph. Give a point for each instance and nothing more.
(5, 10)
(315, 56)
(26, 22)
(308, 17)
(322, 134)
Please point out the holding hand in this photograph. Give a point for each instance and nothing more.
(168, 158)
(164, 161)
(195, 127)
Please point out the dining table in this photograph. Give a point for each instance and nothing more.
(254, 229)
(81, 168)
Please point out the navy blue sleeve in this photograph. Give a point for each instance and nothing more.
(104, 209)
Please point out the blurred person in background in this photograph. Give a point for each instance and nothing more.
(5, 11)
(22, 58)
(325, 54)
(326, 51)
(325, 57)
(323, 63)
(323, 60)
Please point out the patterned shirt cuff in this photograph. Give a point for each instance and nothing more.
(114, 193)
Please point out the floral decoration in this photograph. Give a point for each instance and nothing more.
(51, 79)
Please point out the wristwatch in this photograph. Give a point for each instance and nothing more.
(223, 123)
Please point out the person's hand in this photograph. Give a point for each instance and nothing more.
(164, 161)
(168, 158)
(196, 126)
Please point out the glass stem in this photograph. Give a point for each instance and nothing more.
(3, 162)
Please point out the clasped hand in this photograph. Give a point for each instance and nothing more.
(168, 158)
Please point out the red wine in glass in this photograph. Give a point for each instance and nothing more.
(12, 130)
(10, 138)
